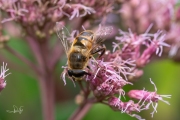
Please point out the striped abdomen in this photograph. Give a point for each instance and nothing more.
(77, 60)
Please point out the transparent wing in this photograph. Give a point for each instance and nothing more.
(63, 34)
(102, 33)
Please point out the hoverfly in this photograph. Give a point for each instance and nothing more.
(83, 47)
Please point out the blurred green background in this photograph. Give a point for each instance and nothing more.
(22, 90)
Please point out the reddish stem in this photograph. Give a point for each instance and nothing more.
(47, 97)
(56, 54)
(21, 57)
(40, 50)
(83, 109)
(33, 44)
(47, 83)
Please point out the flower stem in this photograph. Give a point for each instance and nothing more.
(83, 109)
(22, 58)
(46, 83)
(47, 97)
(40, 50)
(33, 44)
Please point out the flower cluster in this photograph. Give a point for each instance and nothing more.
(145, 13)
(140, 48)
(145, 98)
(3, 75)
(38, 11)
(116, 69)
(43, 14)
(112, 71)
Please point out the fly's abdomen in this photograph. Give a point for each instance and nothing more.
(77, 60)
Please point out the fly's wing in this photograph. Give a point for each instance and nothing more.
(101, 34)
(63, 34)
(98, 37)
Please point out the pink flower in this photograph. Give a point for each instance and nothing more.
(114, 70)
(132, 45)
(149, 97)
(3, 75)
(145, 100)
(139, 14)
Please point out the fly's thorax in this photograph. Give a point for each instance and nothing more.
(87, 33)
(84, 42)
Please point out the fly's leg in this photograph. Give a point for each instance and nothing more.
(88, 67)
(98, 49)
